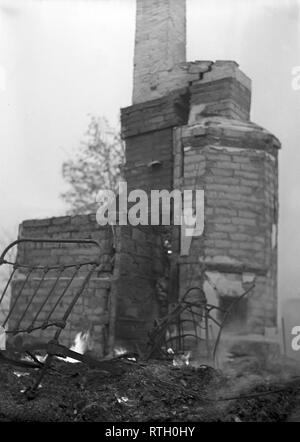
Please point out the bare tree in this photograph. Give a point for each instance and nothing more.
(97, 165)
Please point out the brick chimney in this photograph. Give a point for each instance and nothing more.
(189, 128)
(160, 45)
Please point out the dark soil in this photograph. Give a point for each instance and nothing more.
(143, 392)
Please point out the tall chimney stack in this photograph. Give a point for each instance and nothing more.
(160, 45)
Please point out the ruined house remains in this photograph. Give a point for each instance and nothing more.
(188, 128)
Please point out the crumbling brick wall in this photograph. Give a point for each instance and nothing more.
(140, 264)
(147, 129)
(236, 166)
(218, 88)
(119, 303)
(188, 128)
(196, 126)
(223, 90)
(92, 309)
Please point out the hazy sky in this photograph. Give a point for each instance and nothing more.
(63, 59)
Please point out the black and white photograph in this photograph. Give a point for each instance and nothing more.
(149, 214)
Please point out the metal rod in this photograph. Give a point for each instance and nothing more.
(31, 299)
(62, 295)
(27, 330)
(42, 373)
(75, 299)
(7, 284)
(46, 299)
(17, 297)
(48, 240)
(67, 266)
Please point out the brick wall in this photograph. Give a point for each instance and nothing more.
(147, 129)
(92, 309)
(221, 151)
(119, 303)
(140, 263)
(236, 164)
(227, 97)
(218, 88)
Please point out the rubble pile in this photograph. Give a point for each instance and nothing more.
(149, 391)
